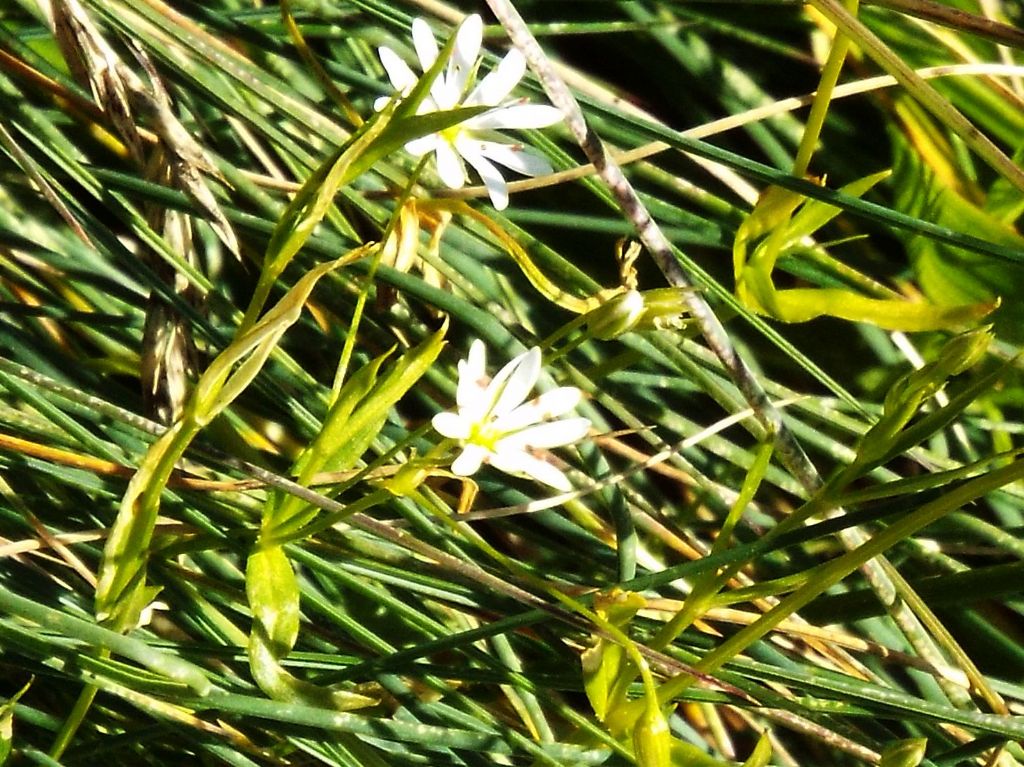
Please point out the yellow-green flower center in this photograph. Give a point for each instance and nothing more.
(450, 134)
(485, 435)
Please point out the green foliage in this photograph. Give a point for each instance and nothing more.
(951, 275)
(121, 591)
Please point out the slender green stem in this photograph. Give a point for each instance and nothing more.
(69, 727)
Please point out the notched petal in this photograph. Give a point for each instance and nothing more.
(464, 56)
(473, 378)
(548, 405)
(497, 189)
(517, 157)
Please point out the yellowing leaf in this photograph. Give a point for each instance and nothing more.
(776, 227)
(7, 723)
(762, 752)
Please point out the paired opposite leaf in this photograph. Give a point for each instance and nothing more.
(890, 436)
(604, 662)
(353, 422)
(121, 592)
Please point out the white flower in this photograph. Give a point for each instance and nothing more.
(495, 424)
(474, 140)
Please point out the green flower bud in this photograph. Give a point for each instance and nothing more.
(652, 740)
(633, 310)
(616, 317)
(664, 308)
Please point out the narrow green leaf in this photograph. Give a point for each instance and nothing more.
(273, 595)
(762, 752)
(235, 367)
(121, 593)
(320, 453)
(348, 433)
(885, 439)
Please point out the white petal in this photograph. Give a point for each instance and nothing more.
(469, 461)
(452, 425)
(516, 157)
(557, 401)
(423, 145)
(497, 189)
(521, 464)
(402, 78)
(551, 434)
(496, 386)
(515, 116)
(521, 379)
(548, 405)
(476, 360)
(444, 94)
(467, 49)
(473, 378)
(449, 165)
(472, 395)
(424, 43)
(426, 51)
(493, 89)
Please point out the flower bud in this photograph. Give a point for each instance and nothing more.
(616, 317)
(633, 310)
(652, 740)
(664, 308)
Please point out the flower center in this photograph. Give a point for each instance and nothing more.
(485, 435)
(450, 134)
